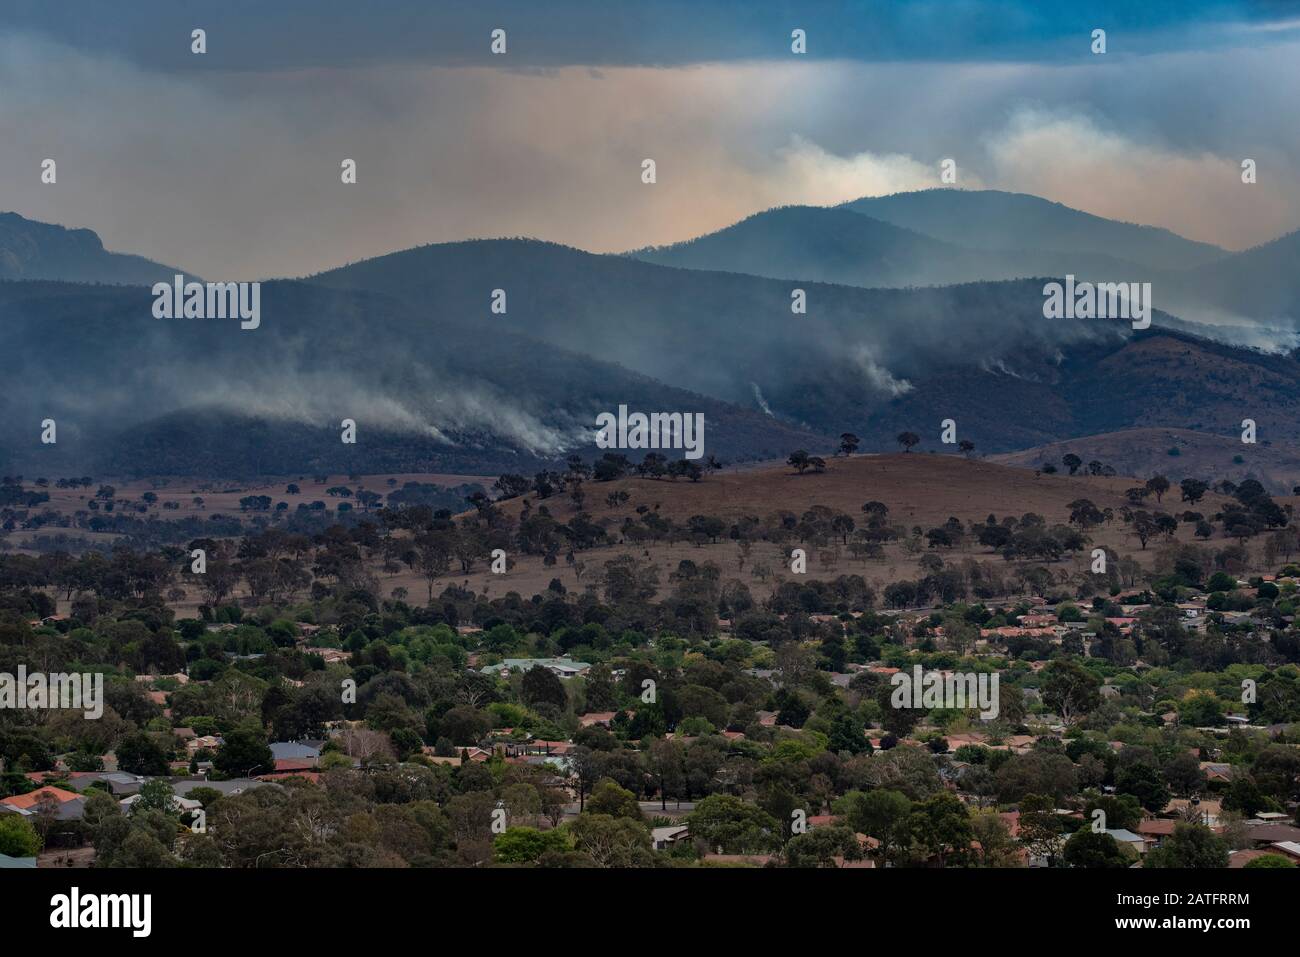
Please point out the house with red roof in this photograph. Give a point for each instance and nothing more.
(67, 805)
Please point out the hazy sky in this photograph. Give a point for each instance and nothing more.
(228, 163)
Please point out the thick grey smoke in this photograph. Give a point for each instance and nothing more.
(253, 156)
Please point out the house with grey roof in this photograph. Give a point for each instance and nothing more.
(563, 667)
(294, 751)
(663, 838)
(121, 783)
(1125, 836)
(227, 788)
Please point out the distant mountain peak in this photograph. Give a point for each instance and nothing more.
(998, 220)
(30, 249)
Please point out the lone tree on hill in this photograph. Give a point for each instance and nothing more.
(1193, 489)
(907, 440)
(1159, 485)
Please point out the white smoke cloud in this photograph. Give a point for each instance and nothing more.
(805, 173)
(320, 400)
(1075, 160)
(877, 375)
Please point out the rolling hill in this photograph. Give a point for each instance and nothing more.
(408, 344)
(994, 220)
(841, 245)
(1261, 284)
(919, 488)
(136, 395)
(1175, 453)
(946, 236)
(33, 250)
(872, 361)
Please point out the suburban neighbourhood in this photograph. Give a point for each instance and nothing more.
(1143, 728)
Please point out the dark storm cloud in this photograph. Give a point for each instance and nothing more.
(228, 163)
(297, 34)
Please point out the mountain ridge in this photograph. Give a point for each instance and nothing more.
(32, 250)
